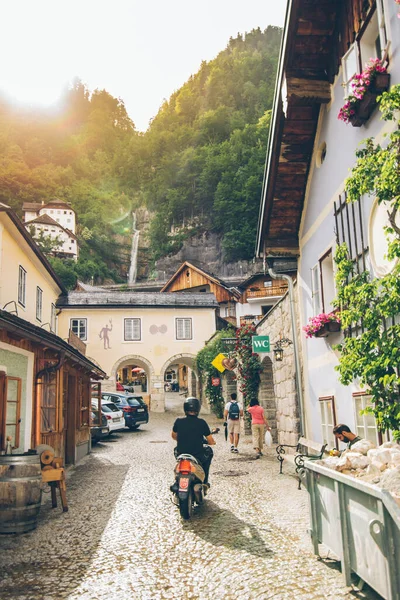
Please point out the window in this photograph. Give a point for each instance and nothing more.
(132, 330)
(10, 399)
(183, 328)
(39, 303)
(53, 316)
(21, 286)
(371, 42)
(365, 424)
(322, 284)
(84, 402)
(328, 420)
(48, 402)
(79, 327)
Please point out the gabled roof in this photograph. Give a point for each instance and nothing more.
(108, 299)
(32, 206)
(36, 206)
(213, 278)
(47, 220)
(32, 244)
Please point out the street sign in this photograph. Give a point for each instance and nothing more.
(228, 344)
(260, 343)
(217, 362)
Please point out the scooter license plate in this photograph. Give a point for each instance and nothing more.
(183, 484)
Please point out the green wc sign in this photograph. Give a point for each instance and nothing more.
(261, 343)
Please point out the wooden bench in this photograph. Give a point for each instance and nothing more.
(304, 450)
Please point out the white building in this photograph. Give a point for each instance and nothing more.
(56, 220)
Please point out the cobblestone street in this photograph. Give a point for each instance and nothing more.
(123, 538)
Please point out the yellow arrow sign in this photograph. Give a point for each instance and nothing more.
(217, 362)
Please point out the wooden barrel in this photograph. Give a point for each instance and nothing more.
(20, 492)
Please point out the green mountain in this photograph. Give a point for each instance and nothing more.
(198, 168)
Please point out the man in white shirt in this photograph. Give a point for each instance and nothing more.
(232, 413)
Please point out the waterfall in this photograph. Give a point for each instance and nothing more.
(134, 251)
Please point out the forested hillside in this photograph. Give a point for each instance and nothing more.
(198, 167)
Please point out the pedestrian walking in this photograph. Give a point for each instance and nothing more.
(258, 424)
(232, 413)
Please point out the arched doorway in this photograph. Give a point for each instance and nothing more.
(266, 395)
(135, 372)
(180, 379)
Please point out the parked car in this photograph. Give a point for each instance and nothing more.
(98, 432)
(113, 414)
(133, 406)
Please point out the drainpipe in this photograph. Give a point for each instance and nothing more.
(299, 390)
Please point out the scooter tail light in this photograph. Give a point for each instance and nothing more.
(185, 466)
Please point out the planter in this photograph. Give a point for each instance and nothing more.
(365, 107)
(331, 327)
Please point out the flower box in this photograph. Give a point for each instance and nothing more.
(366, 106)
(328, 328)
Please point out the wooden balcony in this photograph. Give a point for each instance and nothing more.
(268, 292)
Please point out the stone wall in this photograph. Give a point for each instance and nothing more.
(278, 387)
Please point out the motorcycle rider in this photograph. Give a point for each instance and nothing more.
(189, 432)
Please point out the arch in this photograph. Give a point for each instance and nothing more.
(266, 395)
(133, 358)
(185, 359)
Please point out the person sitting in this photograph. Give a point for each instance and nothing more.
(344, 434)
(189, 433)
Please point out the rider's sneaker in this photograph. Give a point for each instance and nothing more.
(206, 487)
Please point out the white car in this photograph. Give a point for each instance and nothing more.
(115, 416)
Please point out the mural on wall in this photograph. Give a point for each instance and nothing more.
(103, 335)
(155, 329)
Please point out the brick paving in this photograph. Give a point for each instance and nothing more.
(123, 538)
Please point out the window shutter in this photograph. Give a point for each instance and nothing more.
(179, 329)
(316, 292)
(188, 329)
(132, 330)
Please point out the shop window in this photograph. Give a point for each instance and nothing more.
(79, 327)
(328, 420)
(47, 386)
(39, 303)
(10, 413)
(22, 286)
(132, 330)
(84, 401)
(366, 426)
(183, 329)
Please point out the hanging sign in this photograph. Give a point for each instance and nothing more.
(215, 381)
(217, 362)
(260, 343)
(229, 363)
(228, 344)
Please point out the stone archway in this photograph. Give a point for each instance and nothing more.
(188, 361)
(266, 395)
(137, 360)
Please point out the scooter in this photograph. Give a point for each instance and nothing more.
(189, 487)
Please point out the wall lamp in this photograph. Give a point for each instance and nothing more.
(279, 346)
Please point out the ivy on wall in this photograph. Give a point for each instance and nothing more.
(373, 356)
(207, 372)
(248, 364)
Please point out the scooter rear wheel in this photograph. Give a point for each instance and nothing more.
(186, 506)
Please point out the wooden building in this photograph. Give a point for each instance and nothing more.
(191, 278)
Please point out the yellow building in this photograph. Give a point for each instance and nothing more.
(45, 383)
(141, 330)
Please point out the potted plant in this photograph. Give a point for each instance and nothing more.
(322, 325)
(366, 87)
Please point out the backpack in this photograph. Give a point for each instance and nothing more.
(234, 411)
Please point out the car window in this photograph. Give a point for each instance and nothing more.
(138, 399)
(111, 406)
(122, 401)
(133, 402)
(105, 408)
